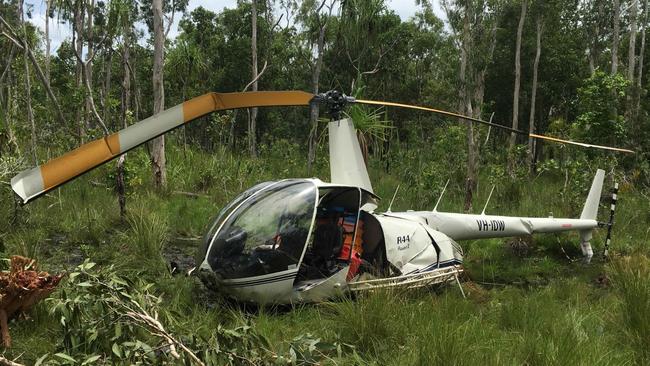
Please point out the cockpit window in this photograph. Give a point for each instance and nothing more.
(223, 214)
(266, 233)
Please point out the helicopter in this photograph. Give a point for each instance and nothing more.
(306, 240)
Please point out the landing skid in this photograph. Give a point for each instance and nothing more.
(411, 281)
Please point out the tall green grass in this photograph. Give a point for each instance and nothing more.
(523, 308)
(631, 279)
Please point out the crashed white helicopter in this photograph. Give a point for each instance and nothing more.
(305, 240)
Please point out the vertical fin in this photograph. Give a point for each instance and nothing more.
(590, 210)
(346, 162)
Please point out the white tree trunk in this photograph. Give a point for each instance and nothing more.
(48, 5)
(252, 137)
(533, 97)
(616, 35)
(631, 53)
(158, 146)
(515, 99)
(315, 77)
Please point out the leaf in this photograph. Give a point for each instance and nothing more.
(91, 359)
(116, 349)
(41, 359)
(65, 357)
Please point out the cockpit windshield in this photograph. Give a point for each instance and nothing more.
(266, 233)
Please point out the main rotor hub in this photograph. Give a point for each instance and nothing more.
(335, 101)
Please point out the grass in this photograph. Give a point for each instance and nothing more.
(532, 305)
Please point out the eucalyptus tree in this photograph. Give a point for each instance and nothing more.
(315, 17)
(474, 24)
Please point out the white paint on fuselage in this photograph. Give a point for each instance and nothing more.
(466, 227)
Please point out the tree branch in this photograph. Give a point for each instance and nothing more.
(39, 71)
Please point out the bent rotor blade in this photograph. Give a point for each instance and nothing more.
(34, 182)
(438, 111)
(555, 139)
(467, 118)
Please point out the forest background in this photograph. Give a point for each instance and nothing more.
(569, 69)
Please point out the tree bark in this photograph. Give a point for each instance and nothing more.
(28, 86)
(48, 5)
(639, 75)
(466, 108)
(315, 77)
(90, 55)
(533, 97)
(120, 184)
(252, 137)
(107, 84)
(631, 53)
(515, 99)
(158, 146)
(77, 40)
(594, 48)
(615, 36)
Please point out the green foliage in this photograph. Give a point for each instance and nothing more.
(601, 102)
(91, 308)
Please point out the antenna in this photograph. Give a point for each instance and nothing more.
(440, 198)
(393, 200)
(488, 201)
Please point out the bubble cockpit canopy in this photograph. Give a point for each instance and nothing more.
(264, 230)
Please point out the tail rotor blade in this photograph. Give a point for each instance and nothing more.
(34, 182)
(472, 119)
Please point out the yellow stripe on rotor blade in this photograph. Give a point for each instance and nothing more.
(207, 103)
(78, 161)
(555, 139)
(32, 183)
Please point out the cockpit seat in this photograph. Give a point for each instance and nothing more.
(328, 240)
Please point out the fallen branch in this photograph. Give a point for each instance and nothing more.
(6, 362)
(21, 288)
(190, 194)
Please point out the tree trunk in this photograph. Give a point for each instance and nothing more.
(48, 5)
(90, 54)
(252, 138)
(594, 48)
(615, 36)
(315, 77)
(77, 40)
(120, 184)
(107, 85)
(158, 145)
(639, 75)
(515, 99)
(631, 53)
(28, 86)
(533, 97)
(466, 108)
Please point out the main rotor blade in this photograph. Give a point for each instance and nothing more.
(555, 139)
(34, 182)
(467, 118)
(438, 111)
